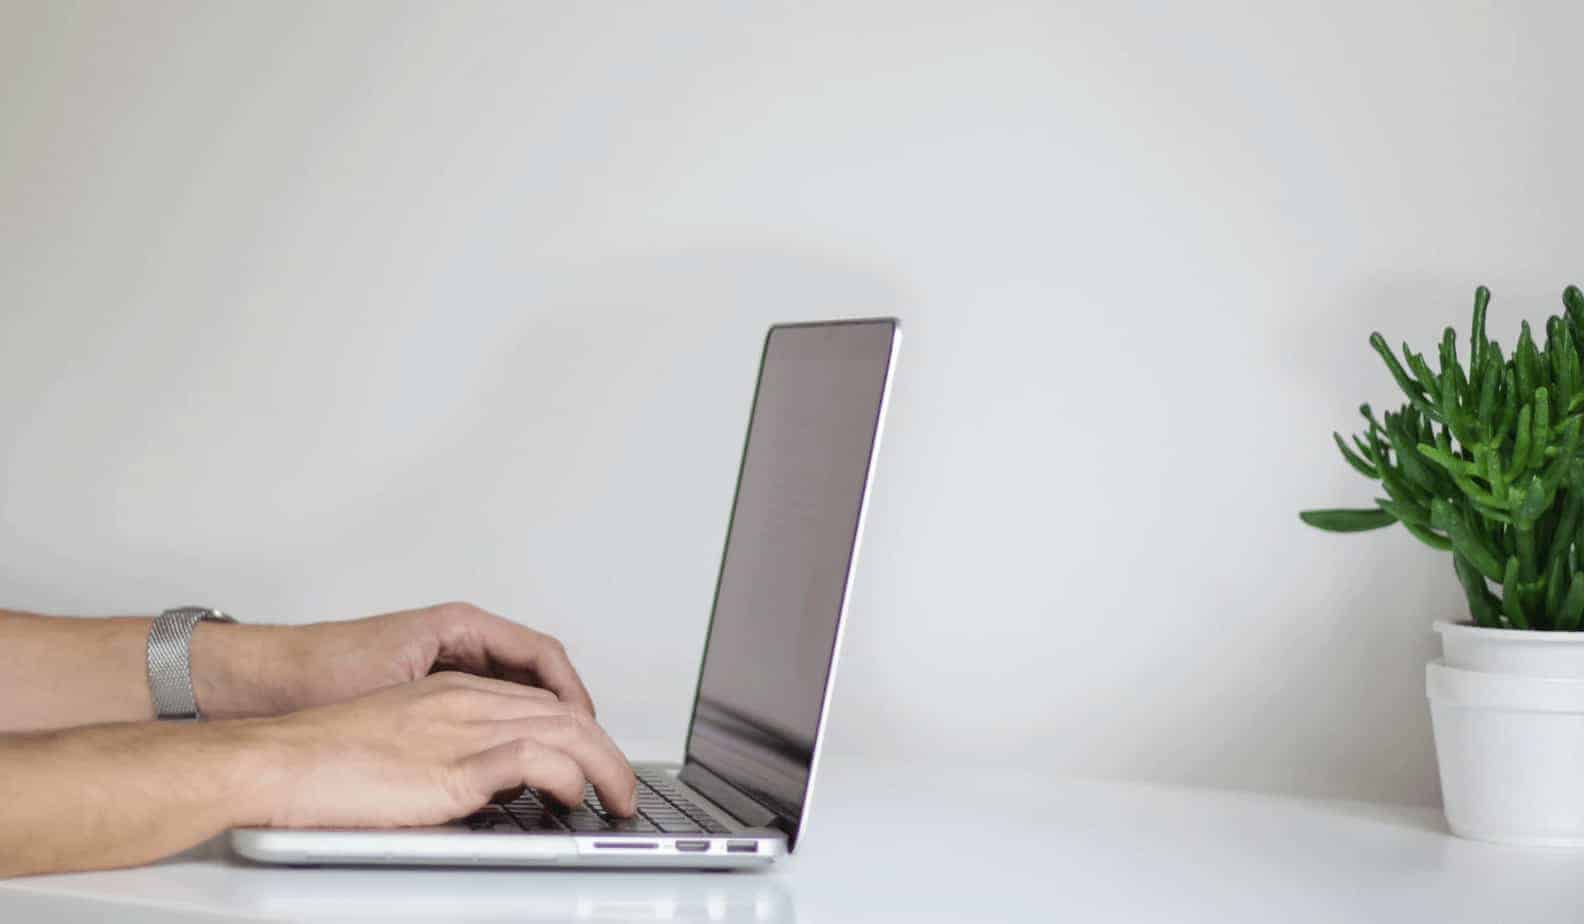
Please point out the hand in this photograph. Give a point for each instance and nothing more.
(248, 670)
(430, 751)
(414, 754)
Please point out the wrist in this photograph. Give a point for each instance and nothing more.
(252, 761)
(241, 671)
(279, 757)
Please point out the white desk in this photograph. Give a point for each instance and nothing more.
(931, 845)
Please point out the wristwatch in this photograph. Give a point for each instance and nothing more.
(170, 660)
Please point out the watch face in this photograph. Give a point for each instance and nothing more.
(208, 613)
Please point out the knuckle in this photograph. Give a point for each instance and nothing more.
(560, 721)
(567, 773)
(550, 769)
(561, 725)
(454, 609)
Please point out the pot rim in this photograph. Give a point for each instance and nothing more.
(1467, 627)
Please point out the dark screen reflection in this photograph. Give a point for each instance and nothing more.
(787, 554)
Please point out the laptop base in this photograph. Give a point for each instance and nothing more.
(475, 842)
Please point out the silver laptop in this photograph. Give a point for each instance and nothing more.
(742, 795)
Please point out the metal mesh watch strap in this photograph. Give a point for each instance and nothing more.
(170, 662)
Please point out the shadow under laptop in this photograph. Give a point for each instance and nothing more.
(390, 894)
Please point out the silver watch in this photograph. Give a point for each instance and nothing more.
(170, 660)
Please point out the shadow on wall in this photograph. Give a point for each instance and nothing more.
(1328, 699)
(622, 377)
(627, 378)
(1369, 600)
(584, 484)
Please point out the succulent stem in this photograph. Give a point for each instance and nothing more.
(1484, 461)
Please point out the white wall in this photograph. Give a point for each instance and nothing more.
(319, 311)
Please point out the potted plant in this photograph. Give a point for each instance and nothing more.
(1484, 462)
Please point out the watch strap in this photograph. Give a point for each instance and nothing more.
(170, 660)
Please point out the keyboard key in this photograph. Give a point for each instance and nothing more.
(662, 806)
(632, 824)
(538, 819)
(679, 827)
(490, 818)
(581, 819)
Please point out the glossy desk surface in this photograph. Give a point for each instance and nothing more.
(932, 844)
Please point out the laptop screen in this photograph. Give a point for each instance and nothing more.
(790, 547)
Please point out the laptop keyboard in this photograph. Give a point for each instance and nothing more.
(662, 809)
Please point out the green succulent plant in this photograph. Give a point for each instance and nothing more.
(1485, 463)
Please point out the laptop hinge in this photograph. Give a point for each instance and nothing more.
(727, 796)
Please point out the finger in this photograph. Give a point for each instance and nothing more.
(484, 638)
(521, 762)
(453, 680)
(493, 709)
(466, 703)
(601, 761)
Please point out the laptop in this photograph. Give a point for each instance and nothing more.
(743, 792)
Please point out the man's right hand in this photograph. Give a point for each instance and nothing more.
(418, 753)
(429, 751)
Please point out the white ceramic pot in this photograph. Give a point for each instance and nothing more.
(1508, 711)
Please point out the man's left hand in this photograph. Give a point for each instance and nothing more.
(253, 670)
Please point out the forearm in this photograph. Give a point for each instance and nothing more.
(119, 795)
(63, 672)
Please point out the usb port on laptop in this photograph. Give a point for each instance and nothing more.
(742, 846)
(693, 846)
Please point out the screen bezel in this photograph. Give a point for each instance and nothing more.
(707, 779)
